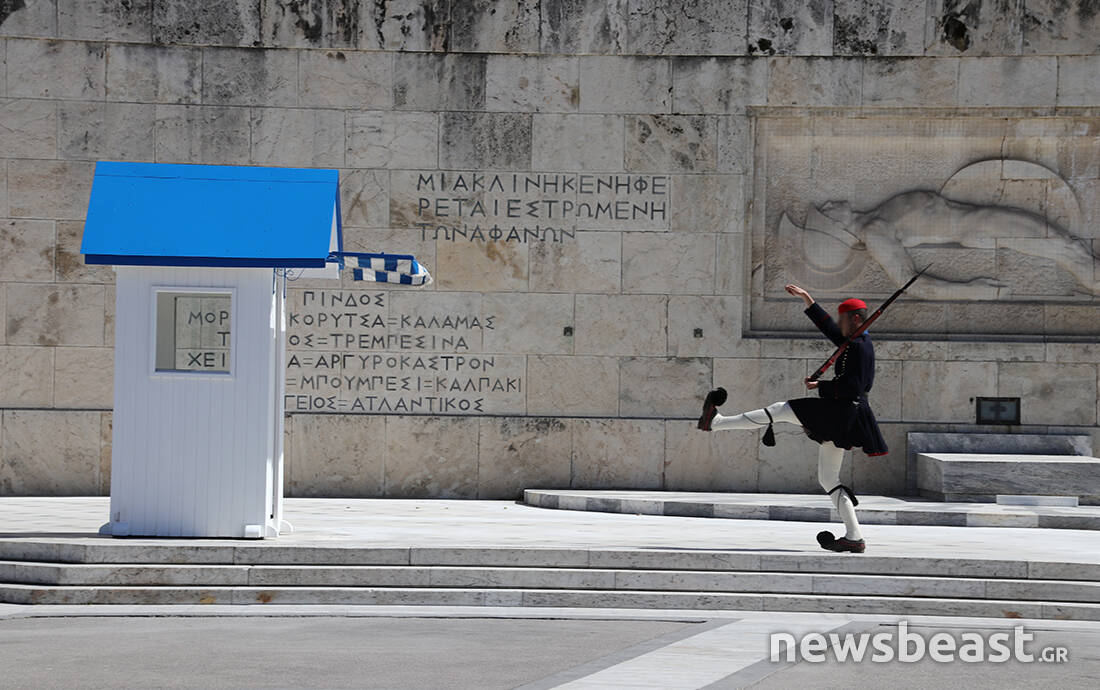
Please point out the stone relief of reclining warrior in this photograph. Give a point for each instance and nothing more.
(915, 218)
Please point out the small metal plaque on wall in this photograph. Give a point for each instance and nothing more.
(998, 410)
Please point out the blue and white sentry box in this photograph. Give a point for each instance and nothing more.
(200, 254)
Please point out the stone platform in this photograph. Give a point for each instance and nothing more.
(982, 476)
(873, 510)
(497, 553)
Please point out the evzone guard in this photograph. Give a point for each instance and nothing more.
(839, 419)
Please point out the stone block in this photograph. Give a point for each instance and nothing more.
(27, 250)
(735, 148)
(756, 383)
(708, 203)
(572, 386)
(315, 24)
(515, 83)
(985, 317)
(109, 295)
(337, 456)
(234, 76)
(154, 74)
(668, 263)
(1056, 27)
(298, 137)
(695, 27)
(671, 143)
(618, 453)
(28, 128)
(3, 314)
(619, 325)
(97, 131)
(83, 377)
(718, 85)
(885, 396)
(528, 323)
(945, 391)
(957, 27)
(438, 82)
(882, 475)
(996, 352)
(1073, 352)
(56, 69)
(352, 79)
(485, 140)
(38, 18)
(106, 437)
(394, 139)
(591, 259)
(875, 27)
(592, 27)
(516, 454)
(625, 85)
(4, 190)
(911, 82)
(1050, 393)
(700, 461)
(978, 477)
(50, 314)
(431, 457)
(815, 82)
(730, 264)
(1077, 82)
(789, 27)
(1070, 319)
(28, 376)
(47, 453)
(404, 25)
(439, 306)
(495, 26)
(577, 142)
(49, 189)
(704, 326)
(106, 20)
(203, 134)
(486, 266)
(365, 198)
(206, 23)
(662, 386)
(1008, 81)
(70, 266)
(791, 464)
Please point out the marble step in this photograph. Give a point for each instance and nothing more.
(72, 575)
(640, 599)
(138, 553)
(981, 476)
(873, 510)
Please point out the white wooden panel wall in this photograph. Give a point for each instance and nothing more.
(197, 455)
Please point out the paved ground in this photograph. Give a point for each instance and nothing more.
(411, 649)
(499, 647)
(381, 522)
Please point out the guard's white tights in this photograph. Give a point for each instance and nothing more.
(829, 457)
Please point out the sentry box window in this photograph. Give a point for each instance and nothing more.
(194, 332)
(998, 411)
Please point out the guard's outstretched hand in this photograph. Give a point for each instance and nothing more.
(799, 292)
(811, 385)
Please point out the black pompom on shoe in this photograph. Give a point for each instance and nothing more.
(825, 539)
(713, 401)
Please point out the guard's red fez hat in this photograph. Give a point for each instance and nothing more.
(851, 305)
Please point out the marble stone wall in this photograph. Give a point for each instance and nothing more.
(610, 195)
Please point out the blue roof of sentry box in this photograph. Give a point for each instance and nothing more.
(158, 214)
